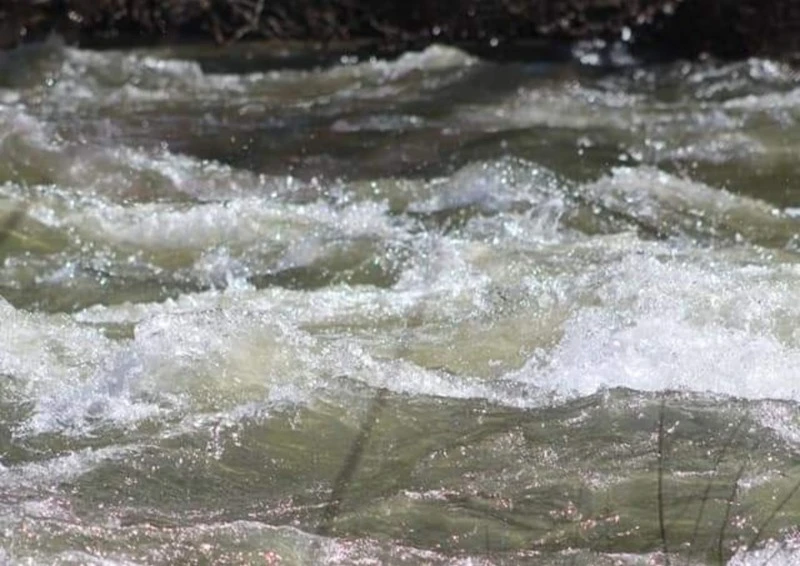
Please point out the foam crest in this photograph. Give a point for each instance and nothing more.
(573, 107)
(674, 323)
(664, 202)
(33, 154)
(432, 58)
(29, 150)
(193, 228)
(110, 78)
(49, 473)
(494, 186)
(57, 366)
(45, 352)
(778, 553)
(213, 359)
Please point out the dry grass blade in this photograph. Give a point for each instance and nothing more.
(351, 463)
(778, 508)
(10, 223)
(724, 526)
(354, 457)
(661, 524)
(706, 494)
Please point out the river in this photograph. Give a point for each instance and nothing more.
(266, 306)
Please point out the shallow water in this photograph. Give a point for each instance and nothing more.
(431, 310)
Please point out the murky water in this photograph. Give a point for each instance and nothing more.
(432, 310)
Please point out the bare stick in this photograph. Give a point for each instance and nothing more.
(772, 515)
(351, 463)
(726, 518)
(10, 223)
(720, 457)
(661, 525)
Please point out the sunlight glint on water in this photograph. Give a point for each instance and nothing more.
(530, 280)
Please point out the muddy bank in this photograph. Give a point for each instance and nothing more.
(671, 28)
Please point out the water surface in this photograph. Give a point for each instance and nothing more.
(427, 310)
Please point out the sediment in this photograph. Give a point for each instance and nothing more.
(672, 28)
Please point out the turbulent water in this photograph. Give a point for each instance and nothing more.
(429, 310)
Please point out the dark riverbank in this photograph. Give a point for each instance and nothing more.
(668, 28)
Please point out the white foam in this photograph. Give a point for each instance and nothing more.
(237, 353)
(432, 58)
(494, 186)
(753, 70)
(212, 358)
(766, 102)
(50, 473)
(675, 323)
(117, 79)
(179, 232)
(662, 199)
(60, 367)
(35, 154)
(586, 313)
(44, 351)
(572, 106)
(641, 317)
(620, 313)
(774, 553)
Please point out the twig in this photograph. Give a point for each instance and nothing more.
(661, 526)
(707, 491)
(772, 515)
(726, 518)
(252, 21)
(351, 463)
(10, 223)
(354, 457)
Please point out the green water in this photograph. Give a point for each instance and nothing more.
(266, 307)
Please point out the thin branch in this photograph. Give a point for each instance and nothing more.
(726, 518)
(720, 457)
(772, 515)
(661, 525)
(10, 223)
(351, 463)
(253, 20)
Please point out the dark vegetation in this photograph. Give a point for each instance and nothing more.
(669, 28)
